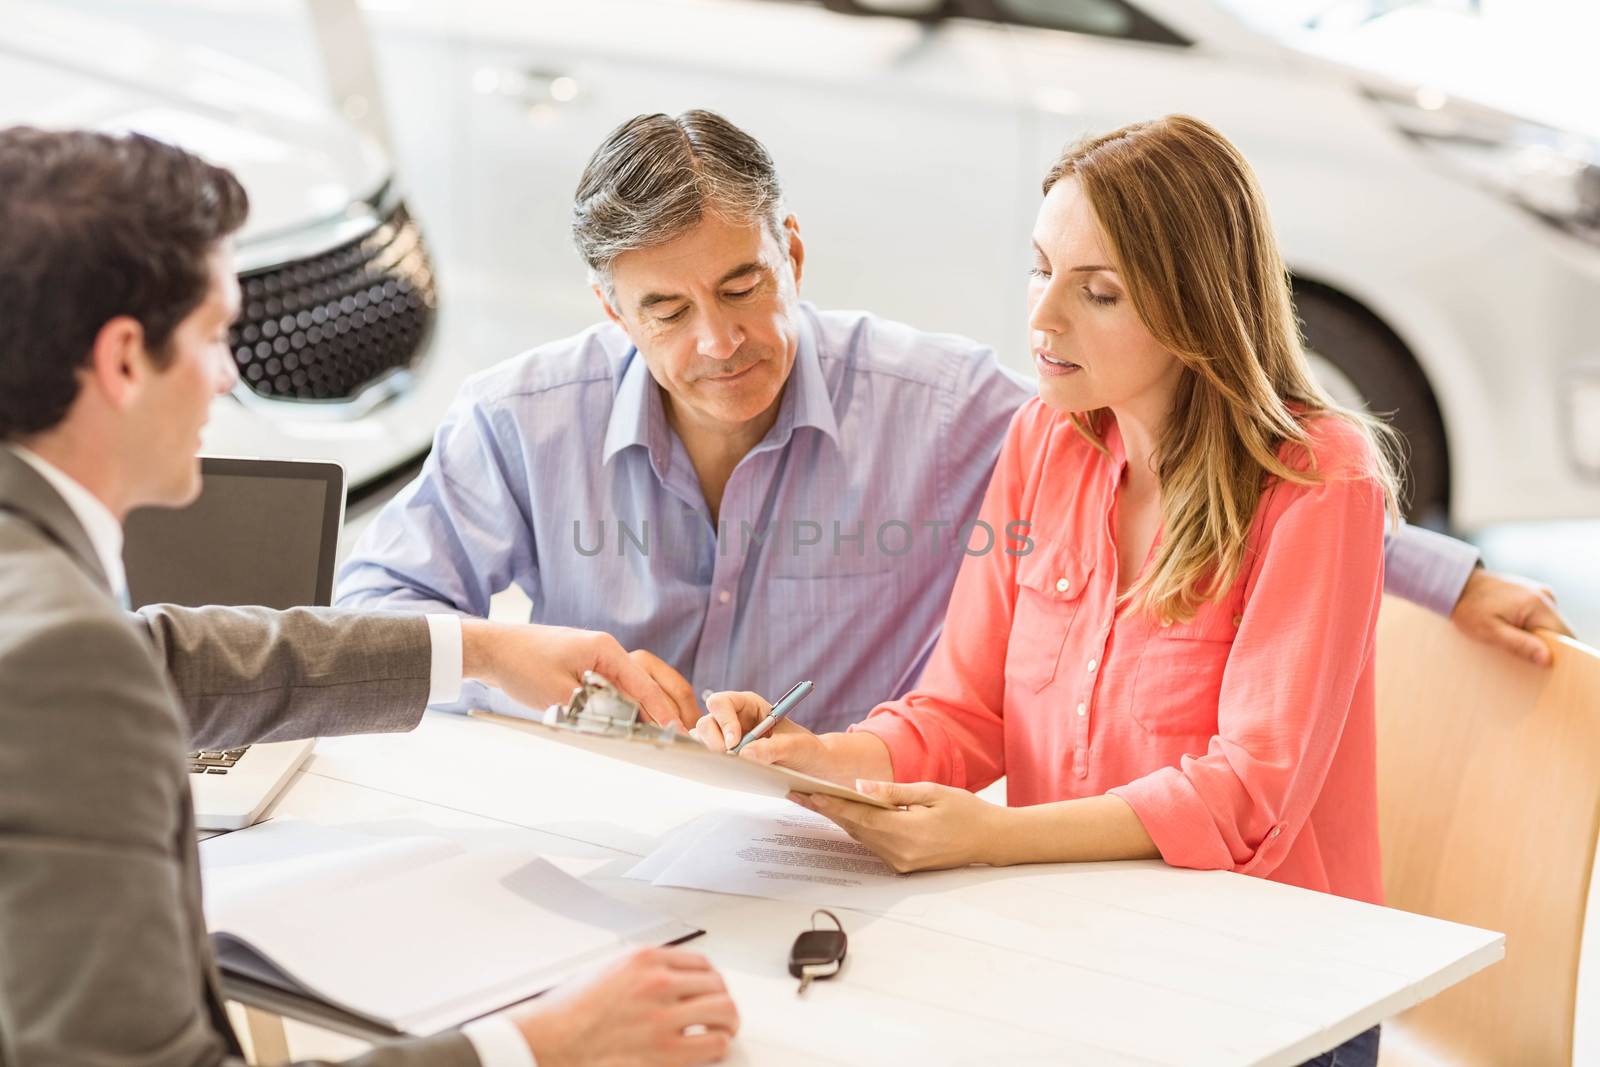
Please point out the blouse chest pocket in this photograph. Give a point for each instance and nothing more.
(1050, 586)
(1179, 679)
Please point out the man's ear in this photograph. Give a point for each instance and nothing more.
(605, 305)
(119, 366)
(611, 312)
(797, 248)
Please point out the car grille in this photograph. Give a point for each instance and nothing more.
(324, 327)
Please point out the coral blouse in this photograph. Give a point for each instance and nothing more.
(1243, 739)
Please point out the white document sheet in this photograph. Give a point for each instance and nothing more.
(786, 854)
(416, 932)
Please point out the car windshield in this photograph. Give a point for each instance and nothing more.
(1498, 52)
(1281, 16)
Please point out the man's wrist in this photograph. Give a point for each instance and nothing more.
(478, 650)
(1477, 571)
(499, 1042)
(541, 1030)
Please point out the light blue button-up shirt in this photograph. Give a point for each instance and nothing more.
(838, 538)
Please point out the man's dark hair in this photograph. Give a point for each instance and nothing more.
(93, 226)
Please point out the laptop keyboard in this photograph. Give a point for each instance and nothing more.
(219, 762)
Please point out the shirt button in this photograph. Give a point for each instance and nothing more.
(705, 696)
(1237, 619)
(724, 596)
(1276, 830)
(1083, 709)
(1062, 585)
(1093, 664)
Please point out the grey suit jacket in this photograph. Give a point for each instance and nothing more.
(104, 958)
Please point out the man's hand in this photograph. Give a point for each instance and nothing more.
(932, 827)
(635, 1014)
(673, 684)
(542, 665)
(1502, 611)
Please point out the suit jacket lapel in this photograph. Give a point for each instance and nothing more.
(34, 500)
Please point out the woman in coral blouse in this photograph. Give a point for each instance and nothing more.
(1177, 661)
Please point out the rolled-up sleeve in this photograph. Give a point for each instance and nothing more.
(1305, 640)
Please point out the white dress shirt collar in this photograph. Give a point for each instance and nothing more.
(105, 532)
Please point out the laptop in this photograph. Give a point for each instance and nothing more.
(261, 532)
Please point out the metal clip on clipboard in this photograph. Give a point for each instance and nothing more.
(598, 707)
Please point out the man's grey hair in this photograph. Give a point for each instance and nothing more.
(655, 177)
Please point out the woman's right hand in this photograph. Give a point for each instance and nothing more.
(732, 715)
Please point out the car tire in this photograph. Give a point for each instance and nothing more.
(1380, 373)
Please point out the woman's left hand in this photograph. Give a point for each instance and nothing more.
(933, 826)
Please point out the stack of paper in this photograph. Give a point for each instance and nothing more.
(412, 933)
(786, 853)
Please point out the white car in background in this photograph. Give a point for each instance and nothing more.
(337, 344)
(1446, 255)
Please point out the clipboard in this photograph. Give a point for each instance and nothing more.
(600, 719)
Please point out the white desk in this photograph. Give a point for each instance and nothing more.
(1104, 964)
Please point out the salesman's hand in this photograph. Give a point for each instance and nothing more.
(1502, 611)
(932, 826)
(732, 715)
(542, 665)
(635, 1014)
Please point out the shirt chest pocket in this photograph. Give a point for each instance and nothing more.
(1050, 595)
(1179, 679)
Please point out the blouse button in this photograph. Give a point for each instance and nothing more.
(724, 596)
(1082, 710)
(1093, 664)
(1062, 585)
(1237, 619)
(1276, 830)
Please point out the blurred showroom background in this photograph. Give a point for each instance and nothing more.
(1433, 170)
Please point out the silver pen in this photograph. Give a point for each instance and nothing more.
(784, 706)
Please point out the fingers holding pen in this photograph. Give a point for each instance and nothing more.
(729, 716)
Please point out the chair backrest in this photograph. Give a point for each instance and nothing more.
(1489, 802)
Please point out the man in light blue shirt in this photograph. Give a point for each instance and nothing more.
(755, 490)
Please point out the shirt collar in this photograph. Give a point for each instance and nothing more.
(638, 417)
(812, 401)
(105, 532)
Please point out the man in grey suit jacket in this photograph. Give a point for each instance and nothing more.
(116, 291)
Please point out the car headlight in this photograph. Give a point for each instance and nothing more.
(1553, 173)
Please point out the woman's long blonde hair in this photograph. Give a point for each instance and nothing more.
(1189, 232)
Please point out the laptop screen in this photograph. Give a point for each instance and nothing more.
(261, 532)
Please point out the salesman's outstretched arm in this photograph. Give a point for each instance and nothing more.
(255, 674)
